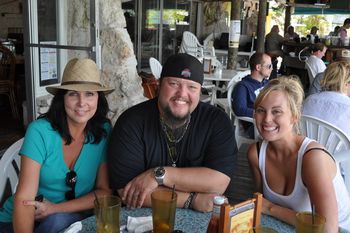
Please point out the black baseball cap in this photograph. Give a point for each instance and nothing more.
(184, 66)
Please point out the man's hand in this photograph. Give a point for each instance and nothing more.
(136, 191)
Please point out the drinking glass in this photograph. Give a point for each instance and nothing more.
(107, 209)
(308, 222)
(163, 210)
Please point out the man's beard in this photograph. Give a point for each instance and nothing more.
(174, 121)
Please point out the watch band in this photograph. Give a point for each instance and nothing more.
(188, 202)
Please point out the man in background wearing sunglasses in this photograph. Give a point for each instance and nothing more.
(246, 91)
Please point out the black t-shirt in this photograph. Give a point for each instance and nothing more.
(138, 143)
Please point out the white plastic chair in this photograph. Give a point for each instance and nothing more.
(9, 167)
(156, 67)
(225, 103)
(332, 138)
(191, 45)
(240, 135)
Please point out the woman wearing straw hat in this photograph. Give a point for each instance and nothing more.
(63, 156)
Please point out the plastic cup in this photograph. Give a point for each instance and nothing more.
(107, 209)
(262, 230)
(307, 223)
(163, 210)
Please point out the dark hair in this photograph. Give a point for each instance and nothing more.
(94, 129)
(347, 21)
(256, 59)
(316, 47)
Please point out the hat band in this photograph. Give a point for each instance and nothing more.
(80, 82)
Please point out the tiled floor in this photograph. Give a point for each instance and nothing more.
(241, 186)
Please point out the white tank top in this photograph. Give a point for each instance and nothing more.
(299, 199)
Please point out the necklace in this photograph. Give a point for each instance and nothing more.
(173, 137)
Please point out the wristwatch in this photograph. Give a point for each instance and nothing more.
(159, 174)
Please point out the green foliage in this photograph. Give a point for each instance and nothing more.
(309, 21)
(304, 22)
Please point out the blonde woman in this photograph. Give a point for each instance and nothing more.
(291, 170)
(332, 104)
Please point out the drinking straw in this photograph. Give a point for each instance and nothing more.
(173, 192)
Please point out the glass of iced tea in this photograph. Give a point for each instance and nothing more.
(107, 209)
(163, 210)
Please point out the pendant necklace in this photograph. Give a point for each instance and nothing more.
(174, 136)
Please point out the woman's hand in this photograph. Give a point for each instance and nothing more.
(42, 209)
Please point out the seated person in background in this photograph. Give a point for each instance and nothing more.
(291, 35)
(173, 140)
(273, 42)
(315, 87)
(315, 62)
(342, 33)
(332, 104)
(246, 90)
(335, 32)
(273, 47)
(313, 37)
(291, 170)
(63, 156)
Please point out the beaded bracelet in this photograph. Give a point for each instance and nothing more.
(188, 202)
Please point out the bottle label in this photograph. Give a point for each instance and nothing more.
(216, 210)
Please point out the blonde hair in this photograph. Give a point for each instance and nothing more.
(292, 87)
(336, 76)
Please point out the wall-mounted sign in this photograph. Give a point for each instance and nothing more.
(48, 65)
(235, 31)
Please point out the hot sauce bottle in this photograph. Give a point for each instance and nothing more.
(213, 226)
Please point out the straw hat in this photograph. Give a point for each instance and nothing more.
(80, 75)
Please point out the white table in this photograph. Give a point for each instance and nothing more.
(226, 76)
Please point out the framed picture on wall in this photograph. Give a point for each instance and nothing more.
(207, 66)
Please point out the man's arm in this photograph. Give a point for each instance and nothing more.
(240, 101)
(211, 178)
(137, 193)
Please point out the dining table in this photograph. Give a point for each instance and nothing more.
(186, 220)
(217, 78)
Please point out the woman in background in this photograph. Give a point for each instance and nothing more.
(291, 170)
(63, 156)
(332, 104)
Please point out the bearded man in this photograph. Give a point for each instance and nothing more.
(173, 140)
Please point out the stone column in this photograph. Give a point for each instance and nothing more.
(118, 59)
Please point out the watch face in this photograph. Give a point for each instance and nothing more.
(159, 172)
